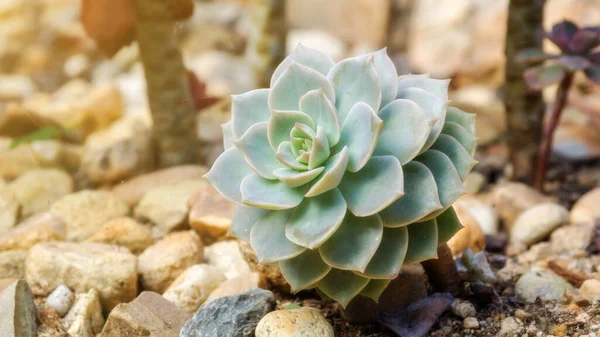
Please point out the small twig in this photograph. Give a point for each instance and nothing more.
(572, 277)
(442, 272)
(546, 146)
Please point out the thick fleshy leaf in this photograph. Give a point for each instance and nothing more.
(227, 173)
(447, 224)
(316, 105)
(374, 187)
(316, 219)
(537, 78)
(248, 109)
(304, 270)
(286, 156)
(450, 187)
(595, 57)
(562, 33)
(295, 178)
(355, 80)
(584, 40)
(309, 57)
(342, 285)
(281, 124)
(243, 220)
(534, 55)
(406, 128)
(354, 243)
(270, 194)
(593, 73)
(320, 149)
(386, 74)
(464, 137)
(228, 136)
(268, 240)
(463, 162)
(466, 120)
(439, 88)
(330, 178)
(254, 147)
(375, 288)
(574, 62)
(434, 106)
(422, 242)
(388, 258)
(420, 199)
(294, 83)
(360, 133)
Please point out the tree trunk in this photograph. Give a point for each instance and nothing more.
(171, 106)
(525, 109)
(399, 26)
(266, 47)
(442, 272)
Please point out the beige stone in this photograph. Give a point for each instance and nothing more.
(160, 264)
(210, 213)
(134, 189)
(586, 209)
(125, 232)
(511, 199)
(86, 211)
(271, 272)
(482, 211)
(85, 317)
(572, 238)
(590, 289)
(538, 222)
(192, 288)
(304, 322)
(9, 207)
(12, 264)
(16, 121)
(42, 227)
(83, 266)
(37, 189)
(240, 284)
(469, 237)
(227, 256)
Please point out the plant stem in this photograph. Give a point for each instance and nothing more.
(546, 145)
(442, 272)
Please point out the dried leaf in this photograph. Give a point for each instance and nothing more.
(539, 77)
(571, 276)
(198, 92)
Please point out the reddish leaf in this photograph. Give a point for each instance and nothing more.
(574, 62)
(562, 33)
(584, 40)
(109, 22)
(593, 73)
(182, 9)
(534, 55)
(198, 92)
(595, 57)
(539, 77)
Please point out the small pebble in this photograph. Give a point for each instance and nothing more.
(463, 309)
(521, 314)
(60, 300)
(471, 323)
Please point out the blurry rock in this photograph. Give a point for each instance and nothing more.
(86, 211)
(511, 198)
(224, 73)
(538, 222)
(209, 131)
(160, 264)
(240, 284)
(227, 256)
(543, 284)
(134, 189)
(42, 227)
(471, 323)
(85, 317)
(20, 26)
(469, 237)
(76, 65)
(37, 189)
(210, 213)
(272, 273)
(60, 299)
(15, 87)
(192, 288)
(320, 40)
(474, 182)
(12, 264)
(304, 322)
(484, 213)
(537, 252)
(17, 311)
(124, 232)
(119, 152)
(573, 238)
(590, 289)
(576, 142)
(9, 207)
(463, 309)
(167, 206)
(243, 313)
(81, 267)
(509, 326)
(17, 121)
(586, 209)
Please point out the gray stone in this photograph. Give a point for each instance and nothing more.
(543, 284)
(509, 326)
(17, 311)
(233, 316)
(471, 323)
(463, 309)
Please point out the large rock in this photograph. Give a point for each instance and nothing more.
(586, 209)
(210, 213)
(192, 288)
(37, 189)
(511, 199)
(305, 322)
(542, 284)
(573, 239)
(227, 256)
(85, 317)
(17, 311)
(134, 189)
(236, 315)
(42, 227)
(83, 266)
(125, 232)
(485, 214)
(9, 207)
(160, 264)
(85, 212)
(167, 206)
(12, 264)
(537, 223)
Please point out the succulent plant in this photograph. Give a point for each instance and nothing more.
(343, 172)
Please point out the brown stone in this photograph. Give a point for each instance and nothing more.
(37, 189)
(210, 213)
(469, 237)
(12, 264)
(511, 199)
(42, 227)
(272, 273)
(125, 232)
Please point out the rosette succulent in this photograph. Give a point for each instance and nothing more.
(343, 172)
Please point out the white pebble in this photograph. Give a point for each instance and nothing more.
(60, 300)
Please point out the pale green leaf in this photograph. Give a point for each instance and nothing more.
(448, 182)
(243, 220)
(448, 224)
(227, 173)
(458, 132)
(422, 242)
(254, 147)
(268, 240)
(295, 178)
(375, 288)
(270, 194)
(309, 57)
(320, 149)
(248, 109)
(342, 285)
(304, 270)
(461, 159)
(388, 258)
(281, 124)
(466, 120)
(286, 156)
(228, 136)
(386, 74)
(330, 178)
(316, 105)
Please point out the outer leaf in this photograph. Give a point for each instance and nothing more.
(468, 140)
(354, 243)
(539, 77)
(534, 55)
(248, 109)
(304, 270)
(243, 220)
(294, 83)
(360, 133)
(374, 187)
(316, 219)
(355, 80)
(227, 173)
(375, 288)
(593, 73)
(320, 149)
(316, 105)
(450, 187)
(421, 197)
(584, 41)
(406, 128)
(254, 147)
(281, 124)
(311, 58)
(422, 242)
(439, 88)
(268, 240)
(342, 285)
(463, 162)
(270, 194)
(294, 178)
(562, 33)
(386, 74)
(330, 178)
(434, 106)
(228, 136)
(286, 156)
(595, 57)
(448, 224)
(574, 62)
(466, 120)
(388, 258)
